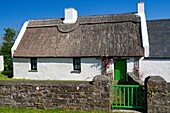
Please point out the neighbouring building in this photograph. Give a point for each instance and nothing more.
(158, 61)
(71, 48)
(1, 62)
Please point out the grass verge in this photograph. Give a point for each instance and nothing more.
(32, 110)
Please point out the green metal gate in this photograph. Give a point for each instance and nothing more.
(128, 96)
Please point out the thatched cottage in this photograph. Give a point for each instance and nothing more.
(71, 48)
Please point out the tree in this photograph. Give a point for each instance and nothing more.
(8, 41)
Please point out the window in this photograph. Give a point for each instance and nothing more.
(33, 63)
(77, 64)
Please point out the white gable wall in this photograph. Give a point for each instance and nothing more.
(144, 31)
(56, 69)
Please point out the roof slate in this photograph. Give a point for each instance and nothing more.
(112, 35)
(159, 38)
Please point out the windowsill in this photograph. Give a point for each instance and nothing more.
(32, 71)
(76, 71)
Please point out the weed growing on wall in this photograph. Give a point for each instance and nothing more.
(106, 63)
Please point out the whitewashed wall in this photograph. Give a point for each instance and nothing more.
(151, 67)
(1, 63)
(60, 68)
(154, 67)
(130, 64)
(56, 69)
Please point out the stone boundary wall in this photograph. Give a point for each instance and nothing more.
(88, 96)
(158, 95)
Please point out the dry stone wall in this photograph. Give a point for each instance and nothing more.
(86, 96)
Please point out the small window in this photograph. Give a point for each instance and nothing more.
(77, 64)
(33, 63)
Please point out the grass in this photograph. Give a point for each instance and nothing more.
(32, 110)
(56, 110)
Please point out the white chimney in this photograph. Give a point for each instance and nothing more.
(141, 8)
(70, 15)
(145, 40)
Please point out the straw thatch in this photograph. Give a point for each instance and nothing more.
(113, 35)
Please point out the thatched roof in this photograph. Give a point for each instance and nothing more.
(113, 35)
(159, 38)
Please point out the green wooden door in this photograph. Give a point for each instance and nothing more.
(120, 69)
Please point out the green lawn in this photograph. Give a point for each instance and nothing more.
(26, 110)
(32, 110)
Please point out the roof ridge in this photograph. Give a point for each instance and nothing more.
(41, 19)
(108, 14)
(165, 19)
(86, 20)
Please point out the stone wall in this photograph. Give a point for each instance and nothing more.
(158, 95)
(86, 96)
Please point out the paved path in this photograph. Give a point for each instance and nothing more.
(125, 111)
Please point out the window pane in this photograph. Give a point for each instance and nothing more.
(33, 63)
(77, 63)
(76, 67)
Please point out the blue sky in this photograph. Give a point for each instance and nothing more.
(13, 13)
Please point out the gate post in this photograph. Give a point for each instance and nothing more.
(158, 95)
(104, 85)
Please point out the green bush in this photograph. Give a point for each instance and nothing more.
(8, 73)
